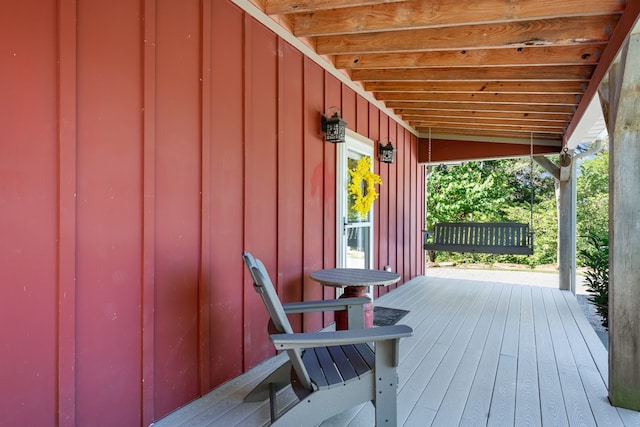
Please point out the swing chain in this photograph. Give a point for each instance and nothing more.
(531, 183)
(429, 171)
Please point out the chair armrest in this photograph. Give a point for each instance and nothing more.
(351, 336)
(325, 305)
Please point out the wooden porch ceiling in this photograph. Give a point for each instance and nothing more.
(496, 69)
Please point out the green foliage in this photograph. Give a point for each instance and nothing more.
(596, 256)
(474, 191)
(545, 230)
(592, 199)
(523, 180)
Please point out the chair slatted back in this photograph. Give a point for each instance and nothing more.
(264, 287)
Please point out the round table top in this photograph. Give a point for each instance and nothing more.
(341, 277)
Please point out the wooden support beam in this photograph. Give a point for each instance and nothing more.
(496, 121)
(498, 136)
(508, 98)
(574, 87)
(603, 94)
(561, 173)
(557, 31)
(521, 56)
(548, 165)
(418, 114)
(277, 7)
(565, 173)
(464, 106)
(624, 228)
(568, 73)
(564, 200)
(473, 125)
(450, 150)
(423, 14)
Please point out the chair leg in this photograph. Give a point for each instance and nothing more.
(325, 403)
(273, 404)
(280, 378)
(355, 315)
(386, 385)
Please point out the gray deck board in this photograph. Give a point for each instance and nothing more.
(551, 402)
(482, 354)
(575, 398)
(462, 362)
(503, 403)
(528, 411)
(479, 397)
(452, 407)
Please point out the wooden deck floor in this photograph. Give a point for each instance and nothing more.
(483, 354)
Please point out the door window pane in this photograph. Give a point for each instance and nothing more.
(353, 215)
(358, 244)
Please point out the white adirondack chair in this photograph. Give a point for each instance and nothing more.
(331, 371)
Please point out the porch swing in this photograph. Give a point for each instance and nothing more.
(500, 238)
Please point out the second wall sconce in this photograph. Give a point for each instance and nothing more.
(387, 152)
(333, 126)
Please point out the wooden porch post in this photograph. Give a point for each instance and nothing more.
(624, 227)
(566, 228)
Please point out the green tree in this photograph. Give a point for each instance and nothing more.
(473, 191)
(592, 210)
(544, 228)
(523, 178)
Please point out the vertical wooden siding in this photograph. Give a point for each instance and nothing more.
(109, 212)
(177, 200)
(314, 189)
(260, 177)
(332, 96)
(225, 197)
(144, 145)
(28, 212)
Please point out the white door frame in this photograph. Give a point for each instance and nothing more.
(364, 146)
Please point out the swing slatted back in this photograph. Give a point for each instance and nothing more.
(477, 237)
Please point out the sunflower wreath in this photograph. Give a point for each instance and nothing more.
(362, 202)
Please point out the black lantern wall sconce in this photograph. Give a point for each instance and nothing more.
(387, 152)
(333, 126)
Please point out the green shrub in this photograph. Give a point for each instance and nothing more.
(596, 257)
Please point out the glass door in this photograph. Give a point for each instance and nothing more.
(354, 231)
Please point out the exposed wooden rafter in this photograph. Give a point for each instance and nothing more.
(518, 56)
(495, 68)
(403, 15)
(278, 7)
(544, 32)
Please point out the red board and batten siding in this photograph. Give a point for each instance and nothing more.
(144, 145)
(28, 212)
(177, 200)
(260, 176)
(225, 196)
(290, 182)
(332, 96)
(311, 209)
(109, 211)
